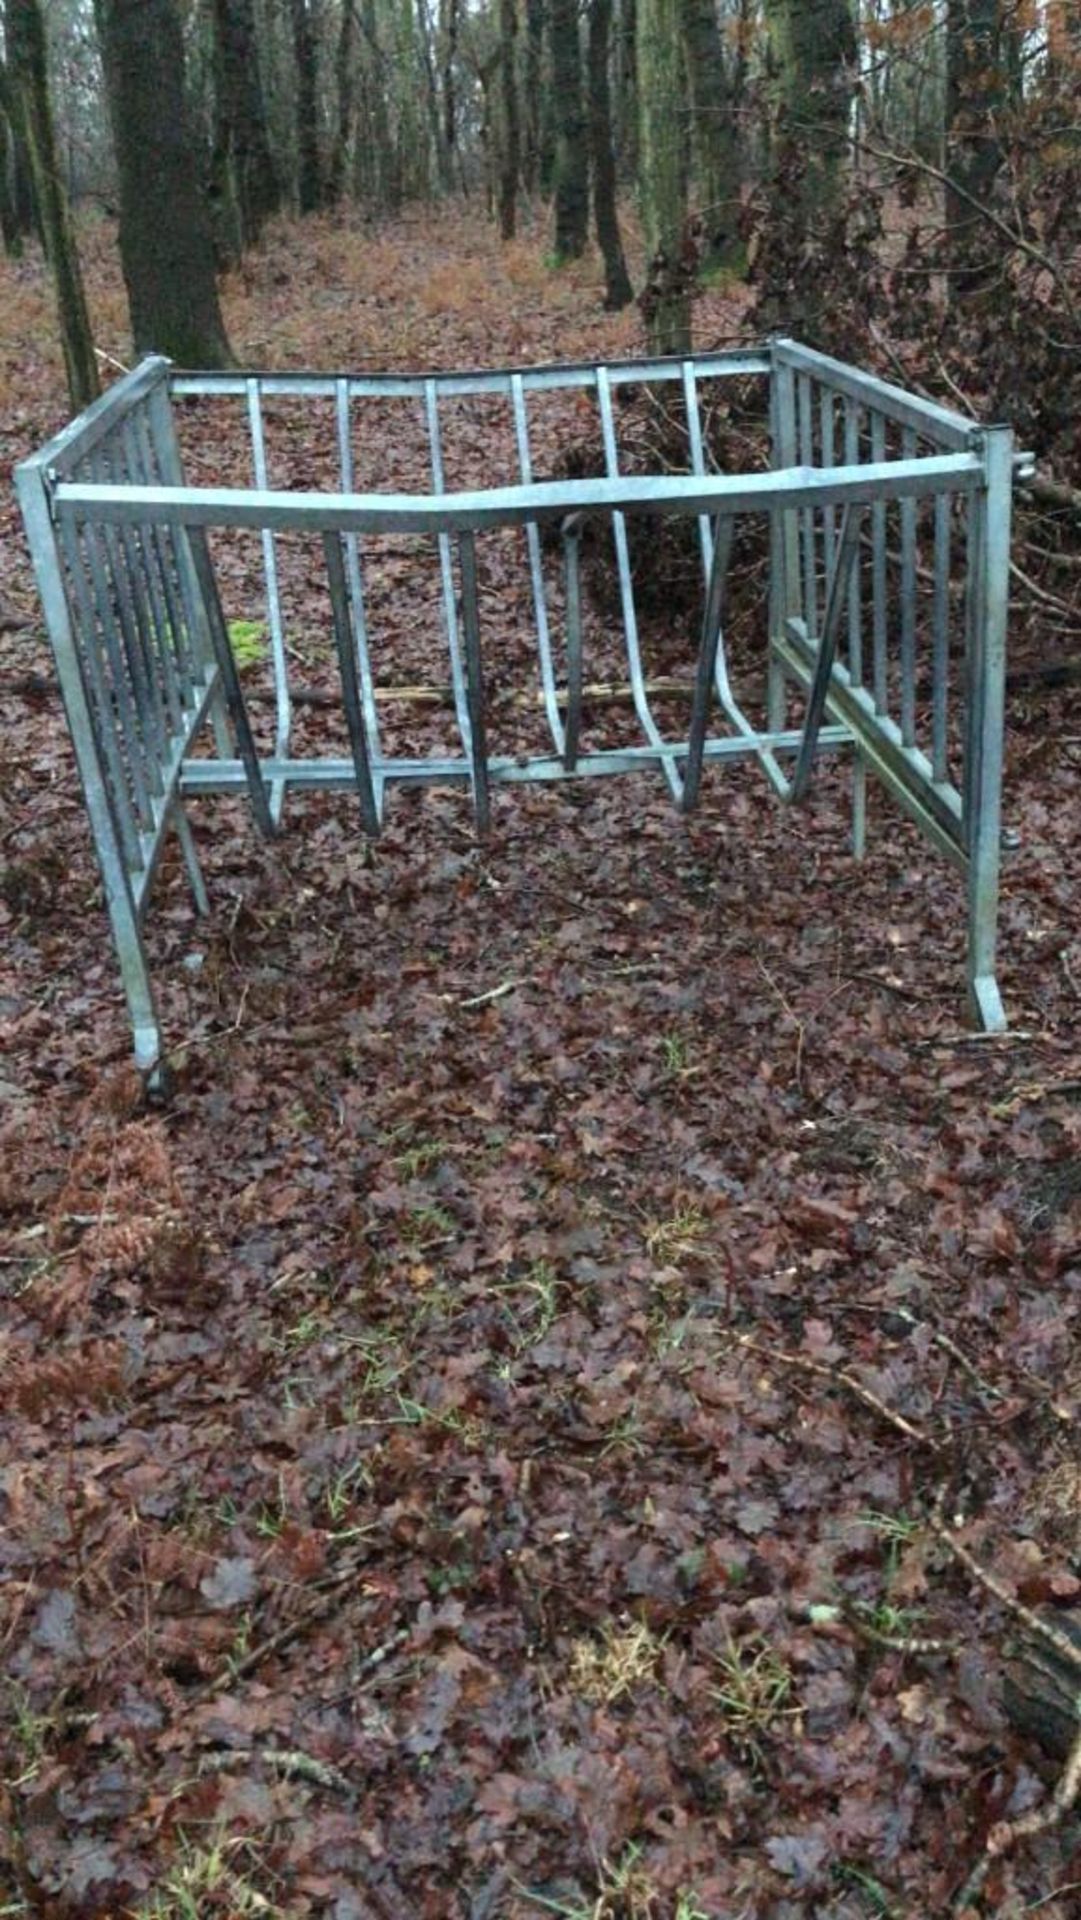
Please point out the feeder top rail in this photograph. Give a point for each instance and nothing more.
(939, 426)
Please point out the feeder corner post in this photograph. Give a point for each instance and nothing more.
(784, 582)
(986, 678)
(32, 484)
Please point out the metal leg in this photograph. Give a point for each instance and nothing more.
(191, 859)
(984, 744)
(572, 529)
(351, 693)
(119, 900)
(707, 660)
(467, 563)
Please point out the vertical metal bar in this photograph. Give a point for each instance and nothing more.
(805, 404)
(707, 654)
(163, 439)
(142, 548)
(698, 459)
(139, 744)
(908, 604)
(467, 564)
(626, 592)
(446, 568)
(784, 533)
(283, 703)
(351, 693)
(879, 614)
(855, 639)
(855, 609)
(168, 571)
(985, 726)
(941, 650)
(573, 597)
(227, 667)
(356, 580)
(827, 649)
(536, 569)
(127, 935)
(114, 458)
(826, 437)
(133, 628)
(112, 704)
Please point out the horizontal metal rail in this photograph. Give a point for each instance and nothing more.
(734, 363)
(225, 776)
(938, 424)
(515, 506)
(73, 443)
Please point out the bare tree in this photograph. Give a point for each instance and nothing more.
(27, 90)
(165, 242)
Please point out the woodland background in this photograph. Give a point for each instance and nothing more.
(574, 1407)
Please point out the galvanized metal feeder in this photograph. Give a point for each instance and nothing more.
(889, 530)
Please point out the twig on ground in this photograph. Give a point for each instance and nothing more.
(486, 999)
(949, 1346)
(292, 1764)
(899, 1643)
(1007, 1834)
(1066, 1648)
(324, 1595)
(840, 1378)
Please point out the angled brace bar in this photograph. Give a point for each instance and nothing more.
(571, 531)
(474, 677)
(230, 680)
(836, 599)
(356, 583)
(536, 569)
(707, 660)
(351, 694)
(450, 615)
(626, 592)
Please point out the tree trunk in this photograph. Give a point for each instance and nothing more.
(666, 299)
(32, 113)
(449, 14)
(309, 170)
(814, 46)
(16, 194)
(444, 171)
(509, 164)
(618, 291)
(345, 81)
(165, 242)
(975, 93)
(243, 174)
(714, 146)
(572, 150)
(534, 94)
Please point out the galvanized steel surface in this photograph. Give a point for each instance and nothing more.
(145, 662)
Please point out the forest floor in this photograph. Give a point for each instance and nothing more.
(457, 1459)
